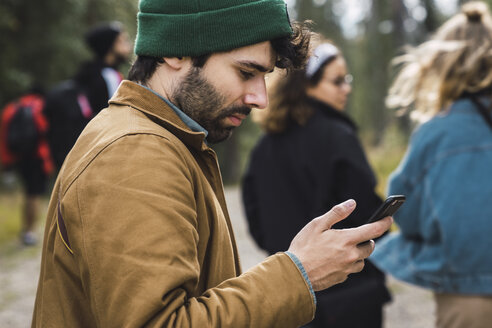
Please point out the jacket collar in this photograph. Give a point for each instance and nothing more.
(136, 96)
(332, 112)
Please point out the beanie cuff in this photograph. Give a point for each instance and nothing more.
(163, 35)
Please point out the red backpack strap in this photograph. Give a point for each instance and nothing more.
(6, 157)
(43, 151)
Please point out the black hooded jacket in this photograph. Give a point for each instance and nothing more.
(64, 112)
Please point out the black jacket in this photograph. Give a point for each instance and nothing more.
(65, 118)
(90, 79)
(63, 110)
(298, 175)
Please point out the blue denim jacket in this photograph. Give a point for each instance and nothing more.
(445, 228)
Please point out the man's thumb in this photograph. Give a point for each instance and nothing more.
(338, 213)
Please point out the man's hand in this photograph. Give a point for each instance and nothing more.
(330, 255)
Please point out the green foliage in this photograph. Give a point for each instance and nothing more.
(42, 41)
(385, 157)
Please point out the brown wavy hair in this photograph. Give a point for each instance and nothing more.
(288, 99)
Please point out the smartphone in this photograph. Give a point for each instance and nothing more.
(388, 208)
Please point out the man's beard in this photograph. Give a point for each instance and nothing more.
(201, 101)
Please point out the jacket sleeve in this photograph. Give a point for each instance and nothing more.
(138, 253)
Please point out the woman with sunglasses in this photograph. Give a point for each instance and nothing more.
(310, 159)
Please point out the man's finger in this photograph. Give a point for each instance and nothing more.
(371, 230)
(366, 249)
(337, 214)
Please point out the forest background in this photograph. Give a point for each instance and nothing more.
(42, 42)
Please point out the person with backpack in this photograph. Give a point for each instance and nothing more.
(24, 148)
(72, 103)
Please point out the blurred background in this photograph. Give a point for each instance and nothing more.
(42, 41)
(370, 33)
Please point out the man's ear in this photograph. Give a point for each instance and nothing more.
(177, 63)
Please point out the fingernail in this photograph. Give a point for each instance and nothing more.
(349, 203)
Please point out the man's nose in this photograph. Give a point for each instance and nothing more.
(256, 94)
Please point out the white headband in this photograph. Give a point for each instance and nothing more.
(321, 54)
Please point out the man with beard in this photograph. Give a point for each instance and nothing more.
(138, 233)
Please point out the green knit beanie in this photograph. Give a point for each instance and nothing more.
(178, 28)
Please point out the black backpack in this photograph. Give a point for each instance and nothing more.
(22, 133)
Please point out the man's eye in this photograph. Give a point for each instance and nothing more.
(246, 75)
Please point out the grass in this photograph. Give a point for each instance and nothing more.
(11, 203)
(10, 216)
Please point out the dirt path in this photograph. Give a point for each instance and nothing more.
(19, 269)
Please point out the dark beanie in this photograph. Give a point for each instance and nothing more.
(177, 28)
(101, 37)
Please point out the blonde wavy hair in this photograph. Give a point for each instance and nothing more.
(457, 60)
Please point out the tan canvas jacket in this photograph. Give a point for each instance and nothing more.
(138, 233)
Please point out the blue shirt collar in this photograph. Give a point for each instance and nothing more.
(193, 125)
